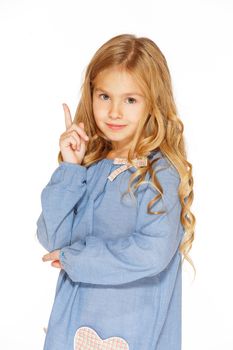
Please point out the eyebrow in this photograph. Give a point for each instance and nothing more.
(125, 94)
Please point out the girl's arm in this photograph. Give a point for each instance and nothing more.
(58, 200)
(145, 252)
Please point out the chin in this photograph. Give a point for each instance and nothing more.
(115, 137)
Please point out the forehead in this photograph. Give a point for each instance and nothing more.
(115, 72)
(117, 80)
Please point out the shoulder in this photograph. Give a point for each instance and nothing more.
(168, 178)
(162, 165)
(167, 175)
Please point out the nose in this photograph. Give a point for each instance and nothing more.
(115, 110)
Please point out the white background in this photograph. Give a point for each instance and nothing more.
(45, 48)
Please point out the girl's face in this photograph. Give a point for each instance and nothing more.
(118, 100)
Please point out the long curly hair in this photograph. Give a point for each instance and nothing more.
(161, 127)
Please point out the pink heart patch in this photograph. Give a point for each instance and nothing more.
(87, 339)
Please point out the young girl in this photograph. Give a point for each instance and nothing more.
(116, 212)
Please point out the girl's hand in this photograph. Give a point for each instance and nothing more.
(73, 141)
(53, 256)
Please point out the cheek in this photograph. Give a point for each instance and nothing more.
(98, 108)
(94, 105)
(95, 109)
(134, 116)
(99, 114)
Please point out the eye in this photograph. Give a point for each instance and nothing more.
(102, 95)
(131, 98)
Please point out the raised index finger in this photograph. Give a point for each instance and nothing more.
(68, 119)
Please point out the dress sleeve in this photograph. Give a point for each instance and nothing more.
(145, 252)
(59, 200)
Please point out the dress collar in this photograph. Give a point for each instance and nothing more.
(139, 162)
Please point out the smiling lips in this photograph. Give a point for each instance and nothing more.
(115, 126)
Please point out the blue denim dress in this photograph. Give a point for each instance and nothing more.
(121, 282)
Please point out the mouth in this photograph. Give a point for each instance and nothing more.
(115, 126)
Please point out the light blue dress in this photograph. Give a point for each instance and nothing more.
(122, 273)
